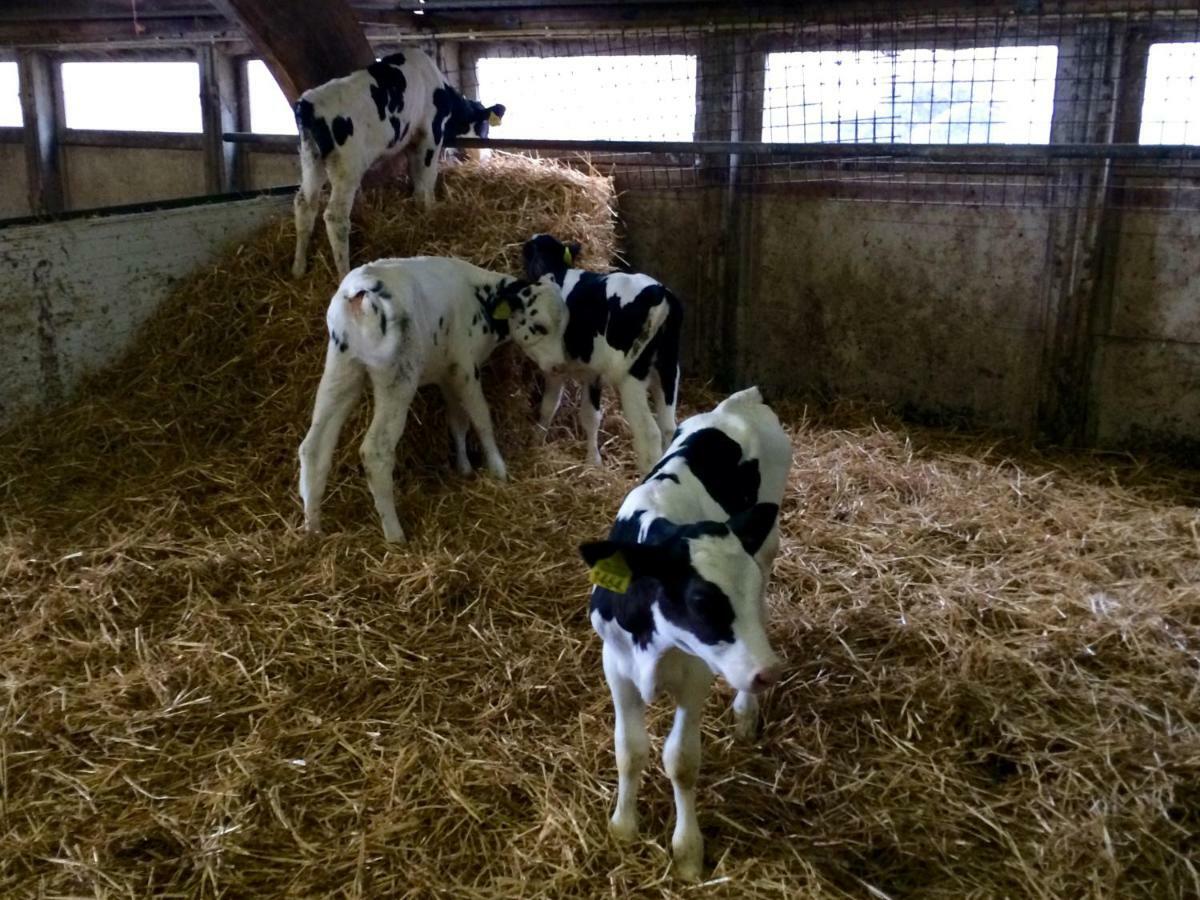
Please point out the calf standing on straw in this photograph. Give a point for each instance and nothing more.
(679, 596)
(407, 323)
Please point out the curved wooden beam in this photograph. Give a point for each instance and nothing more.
(303, 44)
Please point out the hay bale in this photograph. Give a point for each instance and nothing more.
(994, 654)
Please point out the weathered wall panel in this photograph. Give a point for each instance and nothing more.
(73, 293)
(14, 197)
(933, 309)
(1146, 385)
(111, 176)
(1149, 394)
(660, 229)
(265, 170)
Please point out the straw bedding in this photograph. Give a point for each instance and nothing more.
(994, 655)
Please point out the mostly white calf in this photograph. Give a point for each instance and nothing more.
(619, 329)
(405, 323)
(400, 103)
(679, 596)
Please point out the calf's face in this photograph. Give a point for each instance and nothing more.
(704, 591)
(536, 314)
(547, 255)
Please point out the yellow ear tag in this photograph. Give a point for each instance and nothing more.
(612, 574)
(502, 311)
(567, 255)
(493, 120)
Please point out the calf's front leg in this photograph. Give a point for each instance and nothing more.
(632, 748)
(551, 397)
(681, 759)
(476, 407)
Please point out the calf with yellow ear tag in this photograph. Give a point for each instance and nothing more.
(678, 597)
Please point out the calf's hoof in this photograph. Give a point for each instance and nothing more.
(689, 868)
(623, 830)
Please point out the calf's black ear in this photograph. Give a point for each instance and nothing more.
(576, 251)
(495, 114)
(754, 524)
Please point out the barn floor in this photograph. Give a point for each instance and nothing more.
(994, 683)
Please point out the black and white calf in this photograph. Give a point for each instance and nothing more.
(679, 596)
(406, 323)
(400, 103)
(619, 329)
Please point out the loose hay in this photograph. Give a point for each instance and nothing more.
(994, 686)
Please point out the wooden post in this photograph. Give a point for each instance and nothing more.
(714, 333)
(1089, 63)
(219, 104)
(303, 44)
(41, 111)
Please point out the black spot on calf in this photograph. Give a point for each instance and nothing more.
(388, 89)
(428, 157)
(343, 127)
(716, 460)
(315, 126)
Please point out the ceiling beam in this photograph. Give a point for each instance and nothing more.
(303, 44)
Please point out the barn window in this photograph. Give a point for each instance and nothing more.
(593, 97)
(10, 96)
(270, 113)
(132, 96)
(1171, 105)
(978, 95)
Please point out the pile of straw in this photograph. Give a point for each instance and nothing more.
(994, 654)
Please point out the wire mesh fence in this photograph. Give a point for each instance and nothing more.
(1043, 105)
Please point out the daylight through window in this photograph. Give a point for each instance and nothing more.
(593, 97)
(132, 96)
(979, 95)
(1171, 106)
(10, 96)
(270, 113)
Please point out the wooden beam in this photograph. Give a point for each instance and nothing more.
(303, 44)
(1085, 95)
(40, 110)
(219, 112)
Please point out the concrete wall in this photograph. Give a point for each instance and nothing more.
(1146, 389)
(935, 310)
(111, 176)
(14, 197)
(73, 293)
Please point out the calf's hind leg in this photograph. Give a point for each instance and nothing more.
(393, 395)
(341, 383)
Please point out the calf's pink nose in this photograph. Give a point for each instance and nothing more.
(764, 678)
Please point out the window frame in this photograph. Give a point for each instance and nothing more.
(558, 48)
(116, 137)
(13, 134)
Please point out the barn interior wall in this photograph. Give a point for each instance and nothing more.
(932, 309)
(111, 176)
(1146, 390)
(14, 198)
(74, 292)
(938, 310)
(266, 169)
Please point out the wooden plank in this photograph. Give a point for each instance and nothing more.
(303, 44)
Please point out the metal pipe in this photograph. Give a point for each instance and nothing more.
(935, 152)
